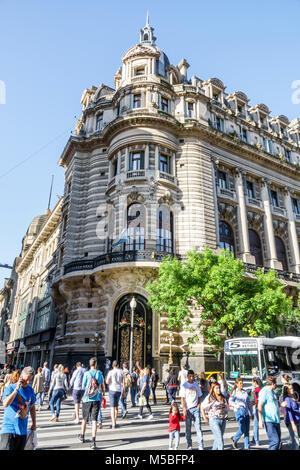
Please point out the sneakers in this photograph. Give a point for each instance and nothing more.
(40, 408)
(140, 416)
(189, 448)
(76, 421)
(53, 418)
(100, 425)
(56, 419)
(200, 448)
(93, 444)
(150, 417)
(170, 448)
(234, 444)
(124, 414)
(81, 437)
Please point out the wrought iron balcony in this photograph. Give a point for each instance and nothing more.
(286, 275)
(117, 257)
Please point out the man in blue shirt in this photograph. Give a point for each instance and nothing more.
(91, 401)
(268, 413)
(76, 385)
(18, 401)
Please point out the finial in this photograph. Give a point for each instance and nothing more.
(147, 19)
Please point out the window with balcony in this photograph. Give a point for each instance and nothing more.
(255, 247)
(218, 123)
(137, 100)
(296, 205)
(274, 198)
(226, 236)
(281, 253)
(99, 122)
(250, 189)
(189, 109)
(222, 180)
(136, 224)
(136, 161)
(243, 134)
(165, 163)
(164, 241)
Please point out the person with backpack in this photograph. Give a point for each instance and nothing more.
(127, 383)
(116, 381)
(92, 383)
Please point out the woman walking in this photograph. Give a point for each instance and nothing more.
(242, 408)
(145, 393)
(215, 405)
(58, 388)
(292, 415)
(38, 387)
(257, 385)
(172, 385)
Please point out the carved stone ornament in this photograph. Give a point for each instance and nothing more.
(135, 196)
(141, 50)
(166, 199)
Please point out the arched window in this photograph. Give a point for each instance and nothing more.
(136, 224)
(281, 253)
(164, 239)
(226, 236)
(255, 247)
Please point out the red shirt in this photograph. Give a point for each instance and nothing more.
(256, 392)
(174, 422)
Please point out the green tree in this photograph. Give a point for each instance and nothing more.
(210, 294)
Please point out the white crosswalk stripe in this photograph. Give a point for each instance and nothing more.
(131, 433)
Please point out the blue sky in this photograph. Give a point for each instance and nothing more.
(52, 50)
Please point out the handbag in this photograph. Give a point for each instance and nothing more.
(103, 402)
(142, 401)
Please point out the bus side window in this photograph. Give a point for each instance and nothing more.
(263, 365)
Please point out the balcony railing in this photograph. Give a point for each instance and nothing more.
(117, 257)
(166, 176)
(135, 174)
(286, 275)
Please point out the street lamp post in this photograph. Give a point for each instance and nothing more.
(96, 341)
(132, 308)
(171, 340)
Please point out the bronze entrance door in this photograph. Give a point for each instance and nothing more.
(142, 331)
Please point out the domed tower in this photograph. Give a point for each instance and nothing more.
(133, 194)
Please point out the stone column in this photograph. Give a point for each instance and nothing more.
(271, 261)
(126, 159)
(156, 162)
(213, 163)
(292, 232)
(147, 157)
(242, 219)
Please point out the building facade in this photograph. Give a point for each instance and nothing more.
(33, 320)
(160, 164)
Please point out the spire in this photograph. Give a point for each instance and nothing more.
(146, 34)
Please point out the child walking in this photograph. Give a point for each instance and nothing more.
(174, 425)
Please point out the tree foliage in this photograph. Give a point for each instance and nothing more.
(210, 294)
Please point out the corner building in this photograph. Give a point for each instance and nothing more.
(159, 165)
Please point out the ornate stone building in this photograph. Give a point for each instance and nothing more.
(159, 164)
(32, 321)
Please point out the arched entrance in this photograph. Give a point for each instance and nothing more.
(142, 331)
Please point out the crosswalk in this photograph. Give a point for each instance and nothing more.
(131, 433)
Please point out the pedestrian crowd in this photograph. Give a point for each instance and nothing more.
(23, 389)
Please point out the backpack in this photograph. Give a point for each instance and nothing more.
(128, 381)
(93, 388)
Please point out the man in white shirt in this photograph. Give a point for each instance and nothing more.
(116, 382)
(190, 394)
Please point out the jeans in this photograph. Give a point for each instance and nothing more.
(123, 401)
(39, 398)
(274, 435)
(243, 421)
(217, 427)
(256, 427)
(294, 437)
(56, 398)
(100, 412)
(172, 393)
(174, 435)
(193, 414)
(133, 395)
(12, 441)
(153, 394)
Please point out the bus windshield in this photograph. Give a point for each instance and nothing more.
(240, 363)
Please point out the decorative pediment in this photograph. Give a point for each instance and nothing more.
(141, 50)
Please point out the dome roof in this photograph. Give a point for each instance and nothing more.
(36, 224)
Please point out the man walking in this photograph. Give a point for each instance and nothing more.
(47, 378)
(76, 385)
(18, 402)
(190, 394)
(134, 387)
(116, 381)
(268, 413)
(92, 380)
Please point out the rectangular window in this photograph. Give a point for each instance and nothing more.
(250, 189)
(115, 168)
(137, 100)
(265, 144)
(296, 205)
(139, 71)
(222, 180)
(136, 161)
(164, 104)
(219, 124)
(164, 163)
(287, 154)
(243, 134)
(99, 122)
(190, 109)
(270, 146)
(274, 198)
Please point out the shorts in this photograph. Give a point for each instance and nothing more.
(114, 398)
(77, 396)
(90, 410)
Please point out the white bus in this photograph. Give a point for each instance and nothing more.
(270, 356)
